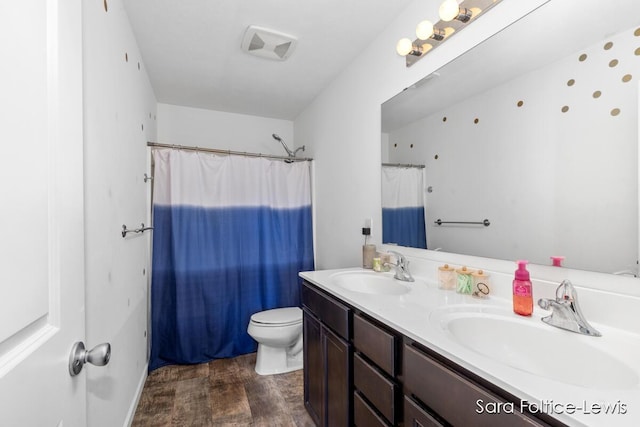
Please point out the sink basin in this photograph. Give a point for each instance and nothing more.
(369, 282)
(529, 345)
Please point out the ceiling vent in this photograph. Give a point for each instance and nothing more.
(268, 43)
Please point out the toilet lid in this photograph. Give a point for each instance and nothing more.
(278, 316)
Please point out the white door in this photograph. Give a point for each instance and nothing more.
(41, 213)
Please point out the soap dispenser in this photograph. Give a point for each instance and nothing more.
(522, 291)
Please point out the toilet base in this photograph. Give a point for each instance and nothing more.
(275, 360)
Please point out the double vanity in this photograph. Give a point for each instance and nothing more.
(384, 352)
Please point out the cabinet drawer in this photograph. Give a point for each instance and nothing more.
(458, 400)
(380, 391)
(331, 312)
(415, 416)
(363, 415)
(378, 344)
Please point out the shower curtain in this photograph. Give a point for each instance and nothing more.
(403, 220)
(230, 235)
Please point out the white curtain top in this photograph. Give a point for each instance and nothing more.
(402, 187)
(216, 181)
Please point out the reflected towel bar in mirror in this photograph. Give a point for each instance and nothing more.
(486, 222)
(142, 229)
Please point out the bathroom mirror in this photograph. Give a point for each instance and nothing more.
(535, 130)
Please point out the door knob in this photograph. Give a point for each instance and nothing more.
(98, 356)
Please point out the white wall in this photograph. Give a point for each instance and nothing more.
(559, 172)
(226, 131)
(119, 118)
(341, 128)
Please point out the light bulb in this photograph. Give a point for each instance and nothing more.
(424, 30)
(449, 10)
(404, 46)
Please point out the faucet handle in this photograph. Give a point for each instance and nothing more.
(566, 292)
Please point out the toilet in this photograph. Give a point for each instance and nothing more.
(279, 336)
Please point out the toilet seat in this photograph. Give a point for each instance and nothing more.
(278, 317)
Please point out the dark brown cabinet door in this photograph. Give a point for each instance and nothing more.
(313, 368)
(327, 373)
(338, 357)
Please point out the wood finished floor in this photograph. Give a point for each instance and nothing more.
(224, 392)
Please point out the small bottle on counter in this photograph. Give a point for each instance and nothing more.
(368, 253)
(481, 286)
(464, 281)
(446, 277)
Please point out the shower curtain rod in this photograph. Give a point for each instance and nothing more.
(228, 152)
(400, 165)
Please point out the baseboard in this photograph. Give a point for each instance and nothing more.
(134, 404)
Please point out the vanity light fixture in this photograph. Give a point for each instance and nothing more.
(453, 17)
(406, 47)
(425, 30)
(450, 10)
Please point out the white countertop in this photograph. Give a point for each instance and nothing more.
(414, 315)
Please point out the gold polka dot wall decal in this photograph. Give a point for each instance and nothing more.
(636, 32)
(106, 8)
(444, 119)
(395, 145)
(476, 120)
(411, 146)
(126, 57)
(615, 112)
(613, 63)
(637, 51)
(565, 109)
(608, 45)
(597, 94)
(571, 82)
(435, 157)
(582, 57)
(627, 78)
(520, 103)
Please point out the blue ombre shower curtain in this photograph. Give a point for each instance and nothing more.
(403, 221)
(230, 235)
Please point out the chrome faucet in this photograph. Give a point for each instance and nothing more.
(566, 313)
(402, 268)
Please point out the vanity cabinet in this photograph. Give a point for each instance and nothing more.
(327, 358)
(360, 371)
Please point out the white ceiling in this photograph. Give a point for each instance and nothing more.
(191, 49)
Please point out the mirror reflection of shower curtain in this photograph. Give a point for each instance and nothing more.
(403, 221)
(230, 235)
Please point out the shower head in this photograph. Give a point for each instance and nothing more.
(289, 152)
